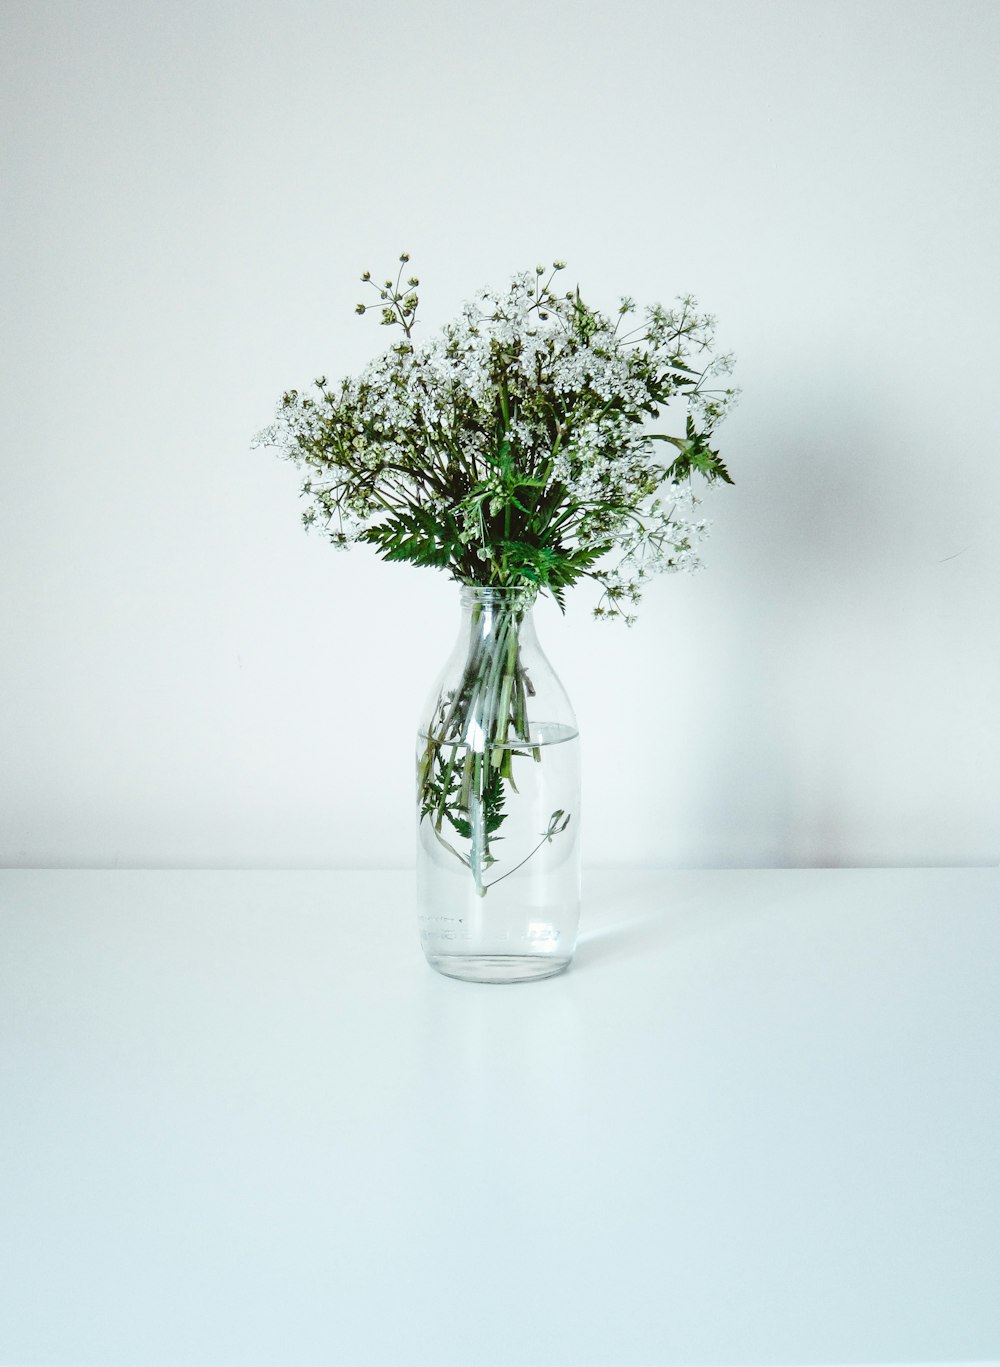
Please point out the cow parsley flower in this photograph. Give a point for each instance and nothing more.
(519, 444)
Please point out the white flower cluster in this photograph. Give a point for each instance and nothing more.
(529, 403)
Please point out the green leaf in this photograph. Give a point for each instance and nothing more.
(415, 537)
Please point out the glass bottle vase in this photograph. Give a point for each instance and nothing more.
(498, 802)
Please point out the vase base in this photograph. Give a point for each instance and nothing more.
(497, 968)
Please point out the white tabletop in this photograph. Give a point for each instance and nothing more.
(756, 1122)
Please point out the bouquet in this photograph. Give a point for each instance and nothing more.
(517, 449)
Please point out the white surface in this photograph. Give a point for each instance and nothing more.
(757, 1122)
(192, 192)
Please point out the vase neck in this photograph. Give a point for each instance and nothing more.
(497, 675)
(484, 610)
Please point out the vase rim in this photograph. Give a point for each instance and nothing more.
(495, 593)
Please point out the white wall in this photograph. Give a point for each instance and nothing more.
(192, 191)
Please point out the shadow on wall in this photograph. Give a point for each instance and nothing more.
(809, 539)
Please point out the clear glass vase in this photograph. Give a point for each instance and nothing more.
(498, 802)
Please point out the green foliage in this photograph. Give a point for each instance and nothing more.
(695, 456)
(415, 536)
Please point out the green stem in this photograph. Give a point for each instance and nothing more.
(474, 730)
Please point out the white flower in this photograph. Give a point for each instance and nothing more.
(418, 429)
